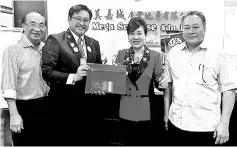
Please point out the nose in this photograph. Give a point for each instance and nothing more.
(135, 36)
(37, 28)
(81, 22)
(191, 31)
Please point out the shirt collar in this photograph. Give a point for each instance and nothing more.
(26, 43)
(202, 46)
(75, 36)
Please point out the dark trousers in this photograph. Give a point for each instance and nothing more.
(75, 123)
(142, 133)
(34, 115)
(74, 132)
(180, 137)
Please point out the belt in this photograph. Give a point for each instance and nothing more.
(135, 122)
(40, 98)
(142, 96)
(36, 99)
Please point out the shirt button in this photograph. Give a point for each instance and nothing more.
(130, 89)
(129, 95)
(136, 95)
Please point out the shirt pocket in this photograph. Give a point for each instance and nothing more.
(206, 74)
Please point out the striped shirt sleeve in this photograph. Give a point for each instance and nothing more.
(10, 71)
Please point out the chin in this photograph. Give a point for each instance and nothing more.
(81, 31)
(193, 42)
(36, 38)
(137, 47)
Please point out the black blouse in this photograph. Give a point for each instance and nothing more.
(134, 76)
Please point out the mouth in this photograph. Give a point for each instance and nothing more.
(81, 27)
(37, 35)
(192, 37)
(136, 42)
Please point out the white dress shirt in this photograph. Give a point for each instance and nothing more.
(199, 77)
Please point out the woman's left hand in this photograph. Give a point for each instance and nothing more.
(163, 82)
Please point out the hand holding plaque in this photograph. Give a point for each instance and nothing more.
(106, 78)
(81, 72)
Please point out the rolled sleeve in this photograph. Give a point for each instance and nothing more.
(8, 93)
(10, 71)
(228, 74)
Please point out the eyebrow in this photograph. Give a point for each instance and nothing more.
(196, 24)
(80, 17)
(36, 23)
(187, 25)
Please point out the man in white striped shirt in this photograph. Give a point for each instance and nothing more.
(23, 86)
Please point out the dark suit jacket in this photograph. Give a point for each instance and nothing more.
(58, 61)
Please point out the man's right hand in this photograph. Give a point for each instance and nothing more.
(16, 123)
(81, 72)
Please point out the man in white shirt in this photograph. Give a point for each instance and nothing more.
(199, 78)
(23, 86)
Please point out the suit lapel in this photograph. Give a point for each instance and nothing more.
(72, 44)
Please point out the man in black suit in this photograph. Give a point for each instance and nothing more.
(75, 116)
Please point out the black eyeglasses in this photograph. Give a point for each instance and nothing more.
(79, 19)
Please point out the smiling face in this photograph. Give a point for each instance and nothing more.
(79, 22)
(34, 27)
(193, 31)
(137, 38)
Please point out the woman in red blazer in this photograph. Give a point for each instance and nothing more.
(144, 68)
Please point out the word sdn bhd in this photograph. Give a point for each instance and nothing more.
(120, 26)
(169, 27)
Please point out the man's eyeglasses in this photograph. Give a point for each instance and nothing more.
(78, 19)
(34, 25)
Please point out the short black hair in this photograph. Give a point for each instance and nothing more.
(199, 14)
(23, 20)
(135, 23)
(78, 8)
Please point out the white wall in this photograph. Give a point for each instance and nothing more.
(58, 14)
(230, 34)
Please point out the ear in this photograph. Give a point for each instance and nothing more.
(69, 18)
(23, 27)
